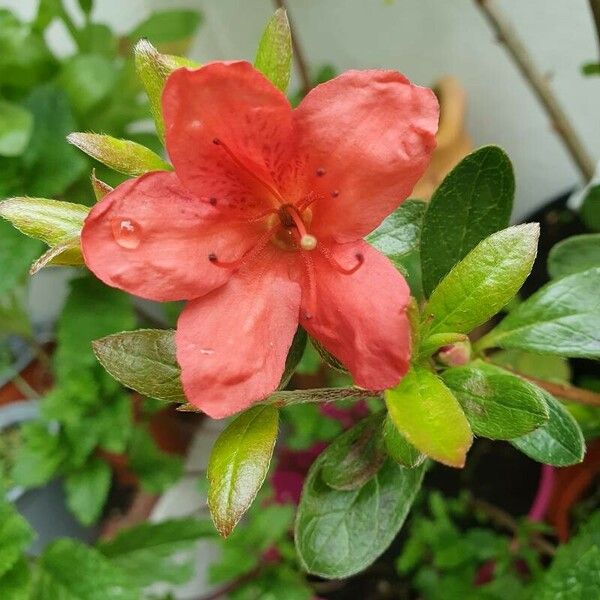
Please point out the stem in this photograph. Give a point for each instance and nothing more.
(561, 124)
(65, 17)
(299, 55)
(595, 8)
(566, 391)
(503, 519)
(226, 589)
(24, 388)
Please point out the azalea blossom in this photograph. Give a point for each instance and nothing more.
(260, 226)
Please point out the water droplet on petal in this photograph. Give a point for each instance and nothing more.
(127, 233)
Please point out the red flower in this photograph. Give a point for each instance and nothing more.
(260, 226)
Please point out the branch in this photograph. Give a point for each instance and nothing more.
(299, 56)
(559, 119)
(595, 8)
(566, 392)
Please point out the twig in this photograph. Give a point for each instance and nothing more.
(595, 8)
(25, 388)
(503, 519)
(299, 55)
(566, 391)
(509, 37)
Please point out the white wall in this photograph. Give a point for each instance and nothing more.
(424, 39)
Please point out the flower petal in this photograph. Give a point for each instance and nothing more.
(228, 133)
(232, 343)
(367, 137)
(149, 237)
(360, 318)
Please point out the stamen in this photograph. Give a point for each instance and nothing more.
(249, 256)
(308, 242)
(307, 201)
(305, 237)
(241, 165)
(309, 267)
(360, 259)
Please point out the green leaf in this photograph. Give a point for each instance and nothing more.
(88, 79)
(543, 366)
(70, 570)
(16, 254)
(15, 537)
(424, 410)
(497, 404)
(559, 442)
(355, 456)
(339, 533)
(167, 26)
(123, 156)
(590, 209)
(16, 583)
(153, 69)
(274, 53)
(328, 358)
(87, 489)
(474, 201)
(39, 457)
(156, 469)
(399, 448)
(561, 318)
(573, 255)
(288, 398)
(294, 356)
(483, 282)
(66, 253)
(238, 465)
(152, 552)
(52, 221)
(143, 360)
(16, 126)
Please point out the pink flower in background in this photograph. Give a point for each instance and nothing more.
(260, 226)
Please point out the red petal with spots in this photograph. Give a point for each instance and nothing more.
(250, 120)
(150, 238)
(232, 343)
(360, 318)
(366, 137)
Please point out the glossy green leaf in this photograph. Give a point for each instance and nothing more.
(153, 69)
(399, 448)
(274, 54)
(561, 318)
(290, 397)
(16, 126)
(52, 221)
(152, 552)
(354, 456)
(143, 360)
(340, 533)
(87, 489)
(483, 282)
(424, 410)
(70, 570)
(238, 465)
(167, 26)
(559, 442)
(15, 536)
(474, 201)
(543, 366)
(123, 156)
(88, 79)
(574, 255)
(497, 404)
(294, 356)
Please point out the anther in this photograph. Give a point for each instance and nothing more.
(308, 242)
(320, 172)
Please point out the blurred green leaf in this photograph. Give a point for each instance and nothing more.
(340, 533)
(483, 282)
(123, 156)
(543, 366)
(86, 6)
(16, 126)
(497, 404)
(16, 583)
(355, 456)
(15, 537)
(70, 570)
(591, 68)
(87, 489)
(96, 38)
(143, 360)
(16, 254)
(238, 465)
(573, 255)
(425, 411)
(155, 552)
(274, 53)
(590, 209)
(167, 26)
(474, 201)
(562, 318)
(559, 442)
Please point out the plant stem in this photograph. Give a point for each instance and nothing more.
(595, 8)
(25, 388)
(299, 55)
(65, 17)
(566, 391)
(539, 83)
(233, 585)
